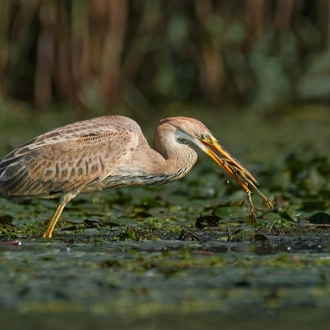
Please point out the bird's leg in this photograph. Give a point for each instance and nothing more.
(65, 198)
(49, 231)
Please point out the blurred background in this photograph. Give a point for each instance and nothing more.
(141, 55)
(219, 61)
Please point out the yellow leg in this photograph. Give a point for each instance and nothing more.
(49, 231)
(252, 216)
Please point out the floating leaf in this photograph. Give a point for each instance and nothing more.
(320, 218)
(6, 219)
(207, 221)
(260, 237)
(143, 214)
(243, 235)
(226, 212)
(285, 215)
(91, 223)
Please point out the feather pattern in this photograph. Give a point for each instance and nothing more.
(92, 155)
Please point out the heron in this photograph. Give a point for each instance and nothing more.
(108, 152)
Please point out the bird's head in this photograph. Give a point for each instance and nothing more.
(193, 131)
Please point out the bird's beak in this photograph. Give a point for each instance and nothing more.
(212, 143)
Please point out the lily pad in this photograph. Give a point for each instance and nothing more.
(320, 218)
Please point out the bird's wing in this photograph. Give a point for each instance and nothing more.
(82, 129)
(76, 156)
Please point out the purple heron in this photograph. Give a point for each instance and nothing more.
(108, 152)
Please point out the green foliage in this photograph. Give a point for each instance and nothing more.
(136, 53)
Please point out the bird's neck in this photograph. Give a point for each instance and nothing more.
(177, 158)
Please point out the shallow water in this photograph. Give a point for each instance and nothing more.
(133, 257)
(148, 281)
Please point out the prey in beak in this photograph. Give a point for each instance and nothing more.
(237, 171)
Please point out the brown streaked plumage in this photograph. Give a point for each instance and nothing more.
(108, 152)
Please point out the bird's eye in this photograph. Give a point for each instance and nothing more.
(205, 136)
